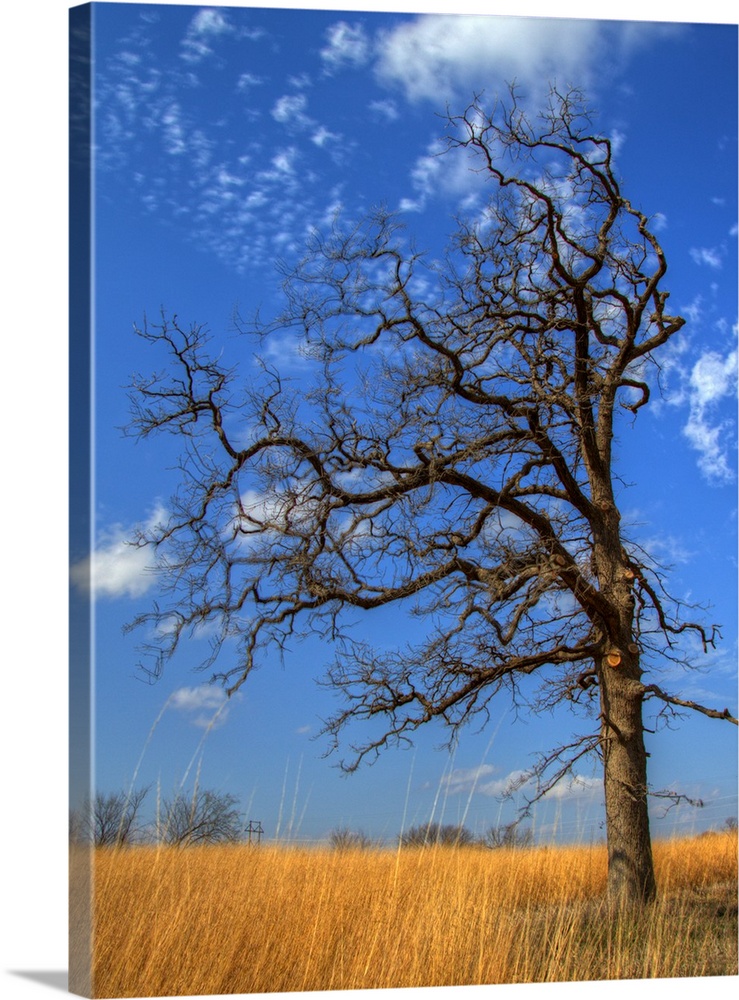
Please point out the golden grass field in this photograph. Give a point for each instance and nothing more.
(244, 919)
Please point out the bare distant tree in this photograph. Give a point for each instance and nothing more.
(109, 820)
(204, 817)
(77, 827)
(453, 456)
(344, 839)
(510, 835)
(437, 834)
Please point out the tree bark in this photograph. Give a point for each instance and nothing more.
(630, 866)
(631, 879)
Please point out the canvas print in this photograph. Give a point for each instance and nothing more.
(403, 500)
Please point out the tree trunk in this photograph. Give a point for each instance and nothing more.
(630, 866)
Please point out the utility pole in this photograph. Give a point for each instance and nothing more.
(255, 829)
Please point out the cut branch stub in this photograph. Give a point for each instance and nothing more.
(613, 658)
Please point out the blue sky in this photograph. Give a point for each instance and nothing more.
(223, 134)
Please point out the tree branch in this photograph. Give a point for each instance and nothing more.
(653, 691)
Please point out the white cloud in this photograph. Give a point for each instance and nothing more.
(576, 786)
(266, 513)
(348, 45)
(707, 440)
(205, 705)
(478, 779)
(705, 385)
(436, 55)
(205, 26)
(174, 130)
(433, 174)
(198, 698)
(709, 256)
(712, 379)
(502, 786)
(322, 136)
(118, 567)
(284, 160)
(411, 205)
(290, 110)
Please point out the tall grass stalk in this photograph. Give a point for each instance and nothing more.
(235, 919)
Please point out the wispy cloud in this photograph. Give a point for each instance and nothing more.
(322, 136)
(433, 175)
(290, 110)
(152, 129)
(578, 786)
(385, 110)
(667, 550)
(248, 80)
(704, 380)
(238, 193)
(478, 780)
(205, 27)
(467, 779)
(173, 130)
(348, 45)
(707, 256)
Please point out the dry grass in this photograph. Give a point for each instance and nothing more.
(245, 920)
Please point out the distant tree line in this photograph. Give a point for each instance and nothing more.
(209, 817)
(509, 835)
(203, 816)
(182, 820)
(343, 839)
(729, 825)
(439, 835)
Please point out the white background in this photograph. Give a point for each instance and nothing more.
(33, 334)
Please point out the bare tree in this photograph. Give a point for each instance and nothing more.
(344, 839)
(509, 835)
(454, 456)
(109, 820)
(437, 834)
(205, 817)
